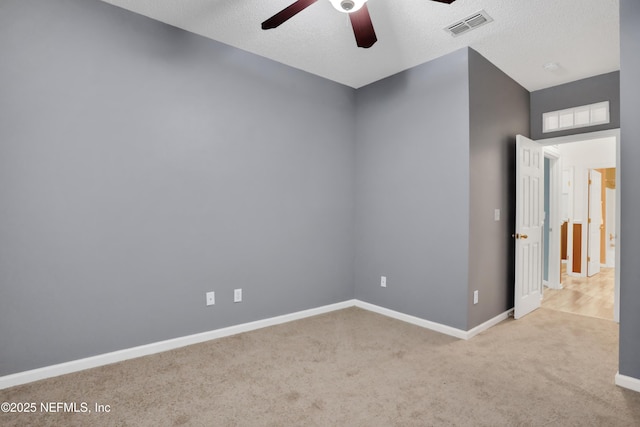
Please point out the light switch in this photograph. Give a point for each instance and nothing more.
(211, 298)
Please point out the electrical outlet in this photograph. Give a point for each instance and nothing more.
(475, 297)
(237, 295)
(383, 281)
(211, 298)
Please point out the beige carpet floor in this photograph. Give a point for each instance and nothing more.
(356, 368)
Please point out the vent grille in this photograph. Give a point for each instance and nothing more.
(469, 23)
(459, 28)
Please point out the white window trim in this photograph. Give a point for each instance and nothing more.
(555, 121)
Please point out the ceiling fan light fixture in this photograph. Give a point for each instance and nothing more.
(347, 6)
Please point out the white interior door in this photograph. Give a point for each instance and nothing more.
(595, 222)
(610, 226)
(529, 217)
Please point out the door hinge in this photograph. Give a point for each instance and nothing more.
(588, 259)
(589, 221)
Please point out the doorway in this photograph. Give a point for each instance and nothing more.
(580, 250)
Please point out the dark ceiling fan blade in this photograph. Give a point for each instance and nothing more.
(445, 1)
(286, 13)
(362, 27)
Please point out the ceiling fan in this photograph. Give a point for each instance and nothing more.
(358, 14)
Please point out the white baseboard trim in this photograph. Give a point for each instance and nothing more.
(161, 346)
(551, 285)
(158, 347)
(488, 324)
(628, 382)
(438, 327)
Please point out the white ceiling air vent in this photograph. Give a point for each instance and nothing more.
(469, 23)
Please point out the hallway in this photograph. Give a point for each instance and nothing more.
(588, 296)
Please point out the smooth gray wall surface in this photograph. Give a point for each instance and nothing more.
(499, 110)
(605, 87)
(142, 166)
(412, 191)
(629, 189)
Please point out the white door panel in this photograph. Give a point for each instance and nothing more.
(610, 227)
(595, 222)
(529, 222)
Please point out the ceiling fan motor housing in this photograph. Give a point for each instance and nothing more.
(347, 5)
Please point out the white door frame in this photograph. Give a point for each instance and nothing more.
(594, 208)
(553, 154)
(597, 135)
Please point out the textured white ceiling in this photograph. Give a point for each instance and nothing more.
(582, 36)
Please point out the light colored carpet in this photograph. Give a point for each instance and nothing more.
(356, 368)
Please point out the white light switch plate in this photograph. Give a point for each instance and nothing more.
(211, 298)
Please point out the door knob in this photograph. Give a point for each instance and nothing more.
(523, 236)
(519, 236)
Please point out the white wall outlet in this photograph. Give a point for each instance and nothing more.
(496, 215)
(211, 298)
(237, 295)
(383, 281)
(475, 297)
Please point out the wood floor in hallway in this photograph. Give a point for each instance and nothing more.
(588, 296)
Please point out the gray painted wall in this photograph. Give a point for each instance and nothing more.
(141, 166)
(412, 191)
(629, 188)
(499, 110)
(605, 87)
